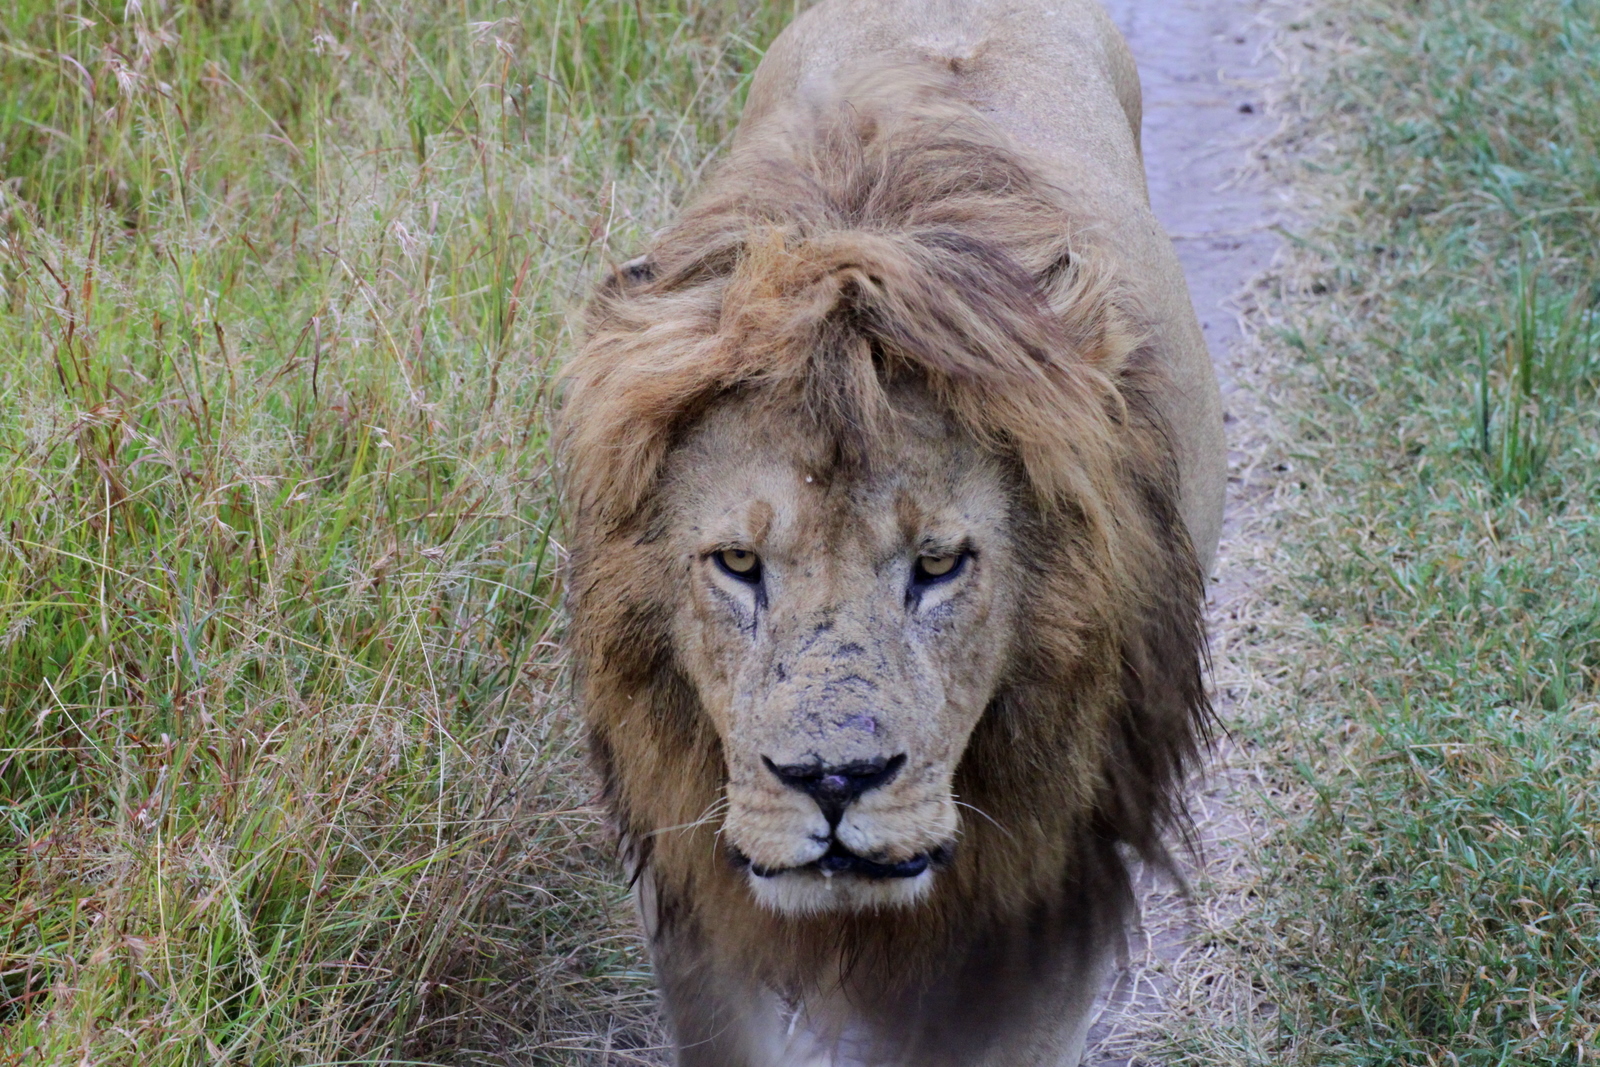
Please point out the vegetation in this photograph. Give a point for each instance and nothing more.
(1435, 896)
(286, 775)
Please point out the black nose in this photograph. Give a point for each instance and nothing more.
(835, 788)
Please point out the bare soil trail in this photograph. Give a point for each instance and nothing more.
(1205, 67)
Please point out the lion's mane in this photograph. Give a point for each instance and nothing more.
(839, 247)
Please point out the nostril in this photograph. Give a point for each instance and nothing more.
(836, 787)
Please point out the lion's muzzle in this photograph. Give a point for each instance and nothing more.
(835, 788)
(852, 857)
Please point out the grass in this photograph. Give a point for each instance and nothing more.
(286, 772)
(1431, 894)
(1533, 365)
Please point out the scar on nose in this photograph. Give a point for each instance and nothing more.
(864, 723)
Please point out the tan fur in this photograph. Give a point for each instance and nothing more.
(881, 330)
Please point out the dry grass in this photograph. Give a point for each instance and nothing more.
(285, 769)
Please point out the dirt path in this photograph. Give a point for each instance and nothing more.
(1203, 68)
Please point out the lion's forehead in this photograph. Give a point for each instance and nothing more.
(765, 479)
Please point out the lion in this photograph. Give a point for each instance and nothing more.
(893, 471)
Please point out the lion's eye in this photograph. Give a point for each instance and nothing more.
(935, 568)
(741, 563)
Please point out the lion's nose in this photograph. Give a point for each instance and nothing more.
(836, 787)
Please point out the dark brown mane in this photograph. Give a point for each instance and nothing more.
(839, 248)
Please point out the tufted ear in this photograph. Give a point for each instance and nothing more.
(628, 278)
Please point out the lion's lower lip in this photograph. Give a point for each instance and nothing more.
(839, 860)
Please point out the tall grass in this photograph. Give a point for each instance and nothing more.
(1535, 358)
(286, 775)
(1434, 898)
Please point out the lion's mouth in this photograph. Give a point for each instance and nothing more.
(840, 860)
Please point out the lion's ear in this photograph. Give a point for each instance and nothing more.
(628, 278)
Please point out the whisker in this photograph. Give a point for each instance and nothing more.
(712, 810)
(986, 815)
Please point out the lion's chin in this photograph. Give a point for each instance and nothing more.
(806, 891)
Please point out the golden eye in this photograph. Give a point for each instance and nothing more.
(937, 566)
(741, 563)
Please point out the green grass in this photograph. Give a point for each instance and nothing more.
(1436, 898)
(286, 772)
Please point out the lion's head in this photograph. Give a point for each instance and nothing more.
(844, 629)
(879, 588)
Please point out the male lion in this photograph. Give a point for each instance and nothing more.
(894, 469)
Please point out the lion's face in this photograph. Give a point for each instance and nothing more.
(844, 634)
